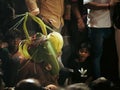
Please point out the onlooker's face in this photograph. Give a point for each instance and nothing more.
(84, 53)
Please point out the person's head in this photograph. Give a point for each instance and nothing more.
(78, 86)
(101, 84)
(13, 38)
(29, 84)
(84, 51)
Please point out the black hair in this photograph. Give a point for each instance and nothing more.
(78, 86)
(86, 45)
(13, 34)
(101, 83)
(29, 84)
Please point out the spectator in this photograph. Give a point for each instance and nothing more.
(74, 31)
(34, 84)
(13, 38)
(29, 84)
(99, 24)
(78, 86)
(116, 22)
(81, 65)
(101, 83)
(4, 64)
(78, 30)
(48, 11)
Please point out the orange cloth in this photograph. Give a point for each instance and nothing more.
(51, 10)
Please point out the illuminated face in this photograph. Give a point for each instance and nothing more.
(83, 54)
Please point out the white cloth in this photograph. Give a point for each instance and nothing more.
(98, 18)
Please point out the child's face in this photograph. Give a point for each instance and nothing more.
(83, 53)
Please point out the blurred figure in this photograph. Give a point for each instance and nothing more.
(101, 83)
(4, 63)
(77, 26)
(78, 86)
(29, 84)
(2, 84)
(13, 38)
(34, 84)
(116, 22)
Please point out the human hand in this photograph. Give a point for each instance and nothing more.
(81, 24)
(35, 11)
(51, 87)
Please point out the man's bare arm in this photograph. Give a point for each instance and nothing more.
(32, 7)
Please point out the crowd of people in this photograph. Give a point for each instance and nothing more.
(84, 25)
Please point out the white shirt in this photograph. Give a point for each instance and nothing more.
(98, 18)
